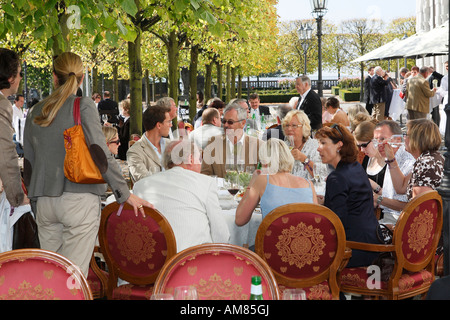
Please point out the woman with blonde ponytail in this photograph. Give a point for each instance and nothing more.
(68, 213)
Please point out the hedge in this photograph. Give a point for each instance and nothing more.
(349, 95)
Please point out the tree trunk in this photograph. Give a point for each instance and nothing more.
(219, 80)
(208, 82)
(135, 69)
(61, 42)
(193, 81)
(228, 84)
(173, 53)
(115, 82)
(239, 85)
(233, 83)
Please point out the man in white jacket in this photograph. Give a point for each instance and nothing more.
(186, 198)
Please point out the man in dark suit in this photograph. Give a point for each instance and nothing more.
(366, 100)
(256, 107)
(108, 107)
(378, 92)
(309, 102)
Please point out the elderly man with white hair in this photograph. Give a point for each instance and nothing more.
(186, 198)
(378, 96)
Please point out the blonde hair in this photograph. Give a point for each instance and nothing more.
(109, 133)
(276, 155)
(423, 135)
(68, 68)
(302, 118)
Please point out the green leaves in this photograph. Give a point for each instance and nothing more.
(129, 6)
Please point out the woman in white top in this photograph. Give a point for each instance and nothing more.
(297, 130)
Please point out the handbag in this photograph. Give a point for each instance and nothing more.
(385, 260)
(78, 164)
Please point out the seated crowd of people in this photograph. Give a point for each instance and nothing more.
(370, 166)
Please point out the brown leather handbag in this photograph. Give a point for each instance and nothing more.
(78, 164)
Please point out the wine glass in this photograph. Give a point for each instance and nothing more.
(161, 296)
(289, 140)
(396, 141)
(185, 293)
(294, 294)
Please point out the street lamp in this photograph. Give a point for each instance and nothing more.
(305, 33)
(319, 10)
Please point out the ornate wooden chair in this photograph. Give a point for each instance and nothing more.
(135, 249)
(97, 277)
(218, 271)
(305, 246)
(36, 274)
(415, 239)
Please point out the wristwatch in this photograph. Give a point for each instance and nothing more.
(306, 161)
(379, 199)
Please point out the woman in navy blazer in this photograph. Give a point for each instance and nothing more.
(348, 192)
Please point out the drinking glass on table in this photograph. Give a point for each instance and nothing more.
(294, 294)
(185, 293)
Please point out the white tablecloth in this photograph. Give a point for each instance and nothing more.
(246, 234)
(397, 105)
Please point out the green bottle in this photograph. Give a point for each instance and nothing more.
(256, 289)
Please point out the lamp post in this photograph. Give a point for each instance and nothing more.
(305, 33)
(319, 10)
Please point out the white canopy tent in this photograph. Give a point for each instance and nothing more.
(431, 43)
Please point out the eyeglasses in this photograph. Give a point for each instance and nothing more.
(293, 126)
(230, 122)
(363, 145)
(335, 126)
(116, 142)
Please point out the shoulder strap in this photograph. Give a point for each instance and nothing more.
(76, 111)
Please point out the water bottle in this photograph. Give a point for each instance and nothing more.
(263, 122)
(256, 289)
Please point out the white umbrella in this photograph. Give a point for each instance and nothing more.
(433, 42)
(378, 53)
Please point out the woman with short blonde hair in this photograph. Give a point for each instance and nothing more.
(274, 185)
(297, 132)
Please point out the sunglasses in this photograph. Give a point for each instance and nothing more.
(363, 145)
(21, 74)
(335, 126)
(230, 122)
(116, 142)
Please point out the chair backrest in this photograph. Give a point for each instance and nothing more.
(303, 243)
(134, 248)
(218, 271)
(36, 274)
(417, 231)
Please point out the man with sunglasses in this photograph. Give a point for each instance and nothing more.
(233, 147)
(386, 197)
(10, 76)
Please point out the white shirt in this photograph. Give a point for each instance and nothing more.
(190, 202)
(162, 143)
(303, 97)
(18, 123)
(405, 162)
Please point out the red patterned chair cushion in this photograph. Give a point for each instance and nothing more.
(300, 245)
(37, 279)
(216, 275)
(359, 278)
(417, 237)
(95, 284)
(132, 292)
(137, 245)
(319, 291)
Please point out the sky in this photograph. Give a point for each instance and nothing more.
(339, 10)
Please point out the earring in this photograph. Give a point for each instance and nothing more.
(338, 151)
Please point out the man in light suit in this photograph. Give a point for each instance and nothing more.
(233, 147)
(418, 94)
(309, 102)
(144, 156)
(10, 76)
(186, 198)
